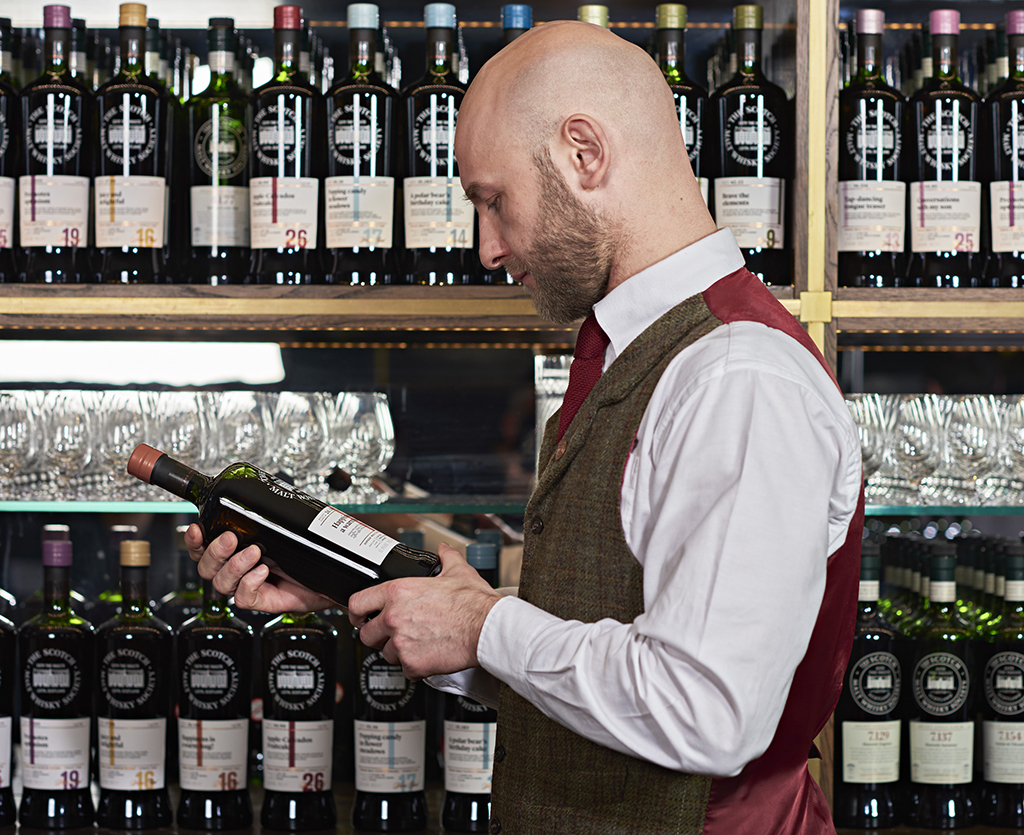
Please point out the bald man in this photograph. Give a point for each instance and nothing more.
(687, 598)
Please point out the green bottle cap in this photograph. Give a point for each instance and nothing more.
(1014, 566)
(870, 565)
(943, 568)
(221, 35)
(747, 17)
(671, 16)
(598, 15)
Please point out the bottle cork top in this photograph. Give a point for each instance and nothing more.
(142, 460)
(944, 22)
(670, 16)
(56, 532)
(598, 15)
(870, 22)
(287, 17)
(362, 15)
(135, 552)
(57, 553)
(133, 14)
(516, 16)
(747, 17)
(439, 16)
(1015, 22)
(56, 17)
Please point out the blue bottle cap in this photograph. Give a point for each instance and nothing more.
(362, 15)
(482, 555)
(439, 16)
(516, 16)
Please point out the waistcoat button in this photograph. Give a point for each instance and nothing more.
(537, 525)
(495, 827)
(560, 449)
(499, 753)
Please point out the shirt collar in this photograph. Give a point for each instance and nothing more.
(633, 306)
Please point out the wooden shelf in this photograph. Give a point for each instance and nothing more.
(887, 310)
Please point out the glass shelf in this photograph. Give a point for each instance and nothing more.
(943, 510)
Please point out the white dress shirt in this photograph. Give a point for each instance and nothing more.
(743, 480)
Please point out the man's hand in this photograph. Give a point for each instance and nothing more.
(430, 625)
(253, 587)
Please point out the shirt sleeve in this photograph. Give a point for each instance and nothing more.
(739, 487)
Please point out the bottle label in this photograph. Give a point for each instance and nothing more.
(874, 138)
(433, 133)
(296, 679)
(132, 753)
(5, 751)
(754, 208)
(875, 682)
(55, 753)
(867, 591)
(690, 125)
(941, 683)
(390, 756)
(437, 213)
(945, 217)
(359, 211)
(213, 754)
(1004, 683)
(384, 686)
(941, 752)
(210, 679)
(871, 215)
(871, 752)
(128, 133)
(940, 591)
(946, 142)
(54, 210)
(1007, 207)
(277, 135)
(1013, 590)
(297, 755)
(53, 134)
(130, 211)
(282, 211)
(6, 212)
(1003, 746)
(351, 534)
(220, 147)
(702, 183)
(751, 133)
(220, 215)
(127, 678)
(468, 756)
(52, 678)
(356, 133)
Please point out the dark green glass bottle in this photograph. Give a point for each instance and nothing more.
(186, 601)
(8, 677)
(9, 144)
(56, 648)
(298, 723)
(135, 684)
(214, 651)
(218, 159)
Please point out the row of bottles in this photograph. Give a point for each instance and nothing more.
(291, 186)
(136, 704)
(928, 728)
(928, 193)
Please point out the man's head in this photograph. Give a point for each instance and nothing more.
(569, 146)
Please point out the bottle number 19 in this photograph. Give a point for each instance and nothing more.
(71, 236)
(69, 779)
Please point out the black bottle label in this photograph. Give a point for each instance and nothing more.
(127, 678)
(875, 683)
(5, 133)
(1012, 143)
(210, 679)
(383, 685)
(470, 706)
(135, 128)
(53, 134)
(1004, 683)
(693, 133)
(941, 683)
(221, 140)
(868, 145)
(434, 131)
(355, 134)
(274, 132)
(53, 678)
(938, 137)
(752, 135)
(296, 680)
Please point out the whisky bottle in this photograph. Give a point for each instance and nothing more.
(10, 141)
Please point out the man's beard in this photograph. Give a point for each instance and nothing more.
(572, 253)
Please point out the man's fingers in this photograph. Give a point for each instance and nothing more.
(231, 572)
(247, 593)
(194, 541)
(364, 604)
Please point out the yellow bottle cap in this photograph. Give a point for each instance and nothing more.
(135, 552)
(671, 16)
(598, 15)
(133, 14)
(747, 17)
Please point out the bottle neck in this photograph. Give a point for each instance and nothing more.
(362, 51)
(215, 604)
(134, 591)
(56, 589)
(181, 480)
(57, 51)
(222, 64)
(440, 47)
(287, 45)
(512, 34)
(869, 57)
(133, 45)
(944, 51)
(1015, 44)
(748, 51)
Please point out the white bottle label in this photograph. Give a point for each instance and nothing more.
(941, 752)
(437, 213)
(468, 756)
(54, 211)
(297, 755)
(6, 212)
(130, 211)
(868, 590)
(360, 539)
(754, 208)
(360, 212)
(945, 216)
(871, 215)
(132, 753)
(1007, 199)
(703, 183)
(1003, 744)
(390, 756)
(282, 212)
(871, 752)
(55, 753)
(220, 215)
(5, 751)
(213, 754)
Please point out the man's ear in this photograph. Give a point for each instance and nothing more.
(587, 142)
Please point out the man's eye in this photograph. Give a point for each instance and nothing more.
(493, 205)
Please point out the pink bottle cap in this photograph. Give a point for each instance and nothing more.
(1015, 22)
(870, 22)
(945, 22)
(56, 17)
(57, 553)
(287, 17)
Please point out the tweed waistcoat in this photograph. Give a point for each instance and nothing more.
(577, 565)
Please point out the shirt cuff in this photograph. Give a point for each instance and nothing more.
(507, 636)
(474, 683)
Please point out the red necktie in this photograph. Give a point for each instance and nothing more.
(585, 371)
